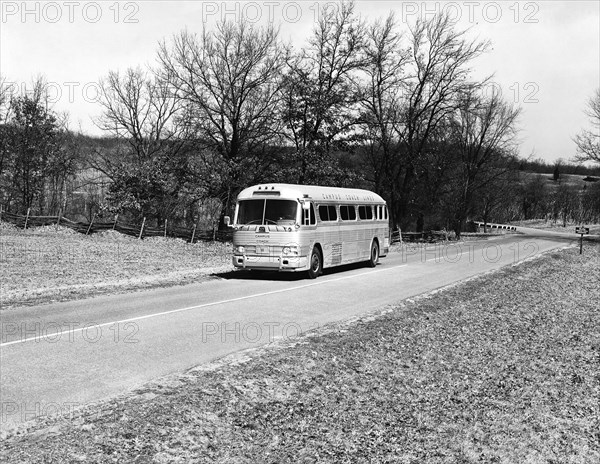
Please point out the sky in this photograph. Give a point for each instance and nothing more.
(545, 55)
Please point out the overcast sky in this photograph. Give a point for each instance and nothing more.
(545, 54)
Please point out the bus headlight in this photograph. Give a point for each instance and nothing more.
(240, 249)
(290, 250)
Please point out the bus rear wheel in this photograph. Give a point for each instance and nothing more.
(316, 264)
(374, 258)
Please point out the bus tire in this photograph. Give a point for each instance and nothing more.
(374, 256)
(315, 265)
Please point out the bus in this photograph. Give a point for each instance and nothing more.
(295, 228)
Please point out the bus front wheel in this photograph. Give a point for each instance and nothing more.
(374, 258)
(316, 264)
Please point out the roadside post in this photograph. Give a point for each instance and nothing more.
(193, 233)
(26, 219)
(90, 226)
(142, 229)
(582, 231)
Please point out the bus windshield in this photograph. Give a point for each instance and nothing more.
(267, 211)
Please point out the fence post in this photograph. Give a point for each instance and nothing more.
(116, 219)
(142, 229)
(0, 213)
(90, 226)
(193, 233)
(26, 219)
(58, 219)
(165, 235)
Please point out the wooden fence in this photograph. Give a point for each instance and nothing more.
(97, 225)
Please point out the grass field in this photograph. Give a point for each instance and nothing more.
(504, 368)
(572, 180)
(49, 264)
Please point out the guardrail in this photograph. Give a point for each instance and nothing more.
(495, 226)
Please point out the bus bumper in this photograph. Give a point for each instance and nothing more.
(274, 263)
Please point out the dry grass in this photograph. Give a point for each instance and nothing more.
(504, 368)
(46, 263)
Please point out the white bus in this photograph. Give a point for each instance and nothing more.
(307, 228)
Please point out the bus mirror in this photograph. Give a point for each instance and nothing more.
(227, 221)
(306, 205)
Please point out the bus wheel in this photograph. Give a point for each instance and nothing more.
(374, 258)
(316, 264)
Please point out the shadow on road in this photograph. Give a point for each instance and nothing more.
(276, 276)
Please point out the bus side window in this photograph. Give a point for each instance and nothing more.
(332, 213)
(365, 212)
(347, 213)
(323, 213)
(344, 213)
(327, 213)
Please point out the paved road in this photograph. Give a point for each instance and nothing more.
(59, 356)
(569, 233)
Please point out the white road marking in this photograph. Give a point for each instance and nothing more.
(204, 305)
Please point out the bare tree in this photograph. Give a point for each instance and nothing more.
(534, 197)
(588, 141)
(380, 96)
(230, 79)
(319, 98)
(140, 108)
(494, 199)
(6, 94)
(5, 130)
(149, 165)
(564, 203)
(437, 77)
(485, 132)
(590, 203)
